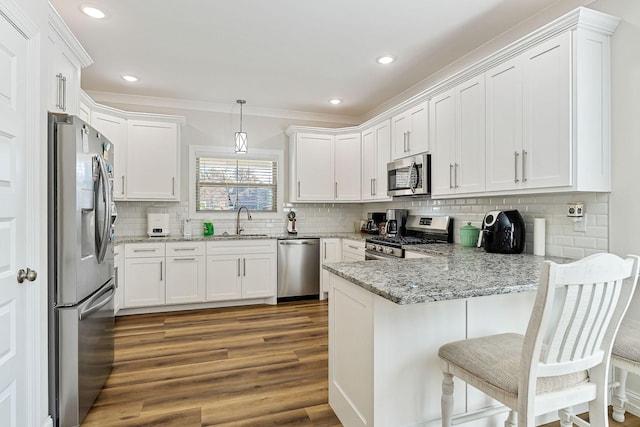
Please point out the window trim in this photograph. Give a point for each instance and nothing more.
(229, 153)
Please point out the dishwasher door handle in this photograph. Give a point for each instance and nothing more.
(297, 242)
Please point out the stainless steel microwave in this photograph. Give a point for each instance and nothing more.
(409, 176)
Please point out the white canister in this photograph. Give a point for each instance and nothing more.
(186, 228)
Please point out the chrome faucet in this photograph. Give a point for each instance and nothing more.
(238, 228)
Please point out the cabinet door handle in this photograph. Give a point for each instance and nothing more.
(244, 266)
(524, 162)
(59, 91)
(450, 175)
(404, 142)
(375, 186)
(335, 191)
(184, 259)
(161, 265)
(455, 174)
(298, 188)
(173, 185)
(238, 267)
(144, 250)
(515, 166)
(408, 140)
(64, 93)
(371, 186)
(122, 191)
(353, 247)
(184, 249)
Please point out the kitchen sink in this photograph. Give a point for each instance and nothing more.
(237, 236)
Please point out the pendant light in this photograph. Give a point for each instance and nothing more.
(241, 137)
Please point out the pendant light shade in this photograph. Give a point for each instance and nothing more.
(242, 143)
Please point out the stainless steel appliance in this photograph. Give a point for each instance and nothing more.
(298, 268)
(502, 232)
(81, 271)
(396, 222)
(420, 230)
(372, 225)
(409, 176)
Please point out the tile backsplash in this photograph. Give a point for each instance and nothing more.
(561, 237)
(311, 218)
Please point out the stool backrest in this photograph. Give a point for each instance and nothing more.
(578, 309)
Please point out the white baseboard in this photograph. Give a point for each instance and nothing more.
(633, 405)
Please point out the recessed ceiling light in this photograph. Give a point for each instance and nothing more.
(93, 12)
(386, 59)
(129, 78)
(335, 101)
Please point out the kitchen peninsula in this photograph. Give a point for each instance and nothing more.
(387, 320)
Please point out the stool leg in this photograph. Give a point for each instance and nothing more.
(446, 401)
(565, 417)
(620, 397)
(512, 420)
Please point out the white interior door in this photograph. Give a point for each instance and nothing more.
(14, 310)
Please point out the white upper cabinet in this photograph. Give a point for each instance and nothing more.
(347, 167)
(66, 57)
(312, 172)
(146, 151)
(410, 131)
(114, 128)
(376, 153)
(152, 148)
(324, 167)
(457, 121)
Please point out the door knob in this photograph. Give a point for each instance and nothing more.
(29, 274)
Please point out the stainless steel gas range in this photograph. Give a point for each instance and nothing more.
(420, 230)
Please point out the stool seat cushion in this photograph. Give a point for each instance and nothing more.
(495, 360)
(627, 343)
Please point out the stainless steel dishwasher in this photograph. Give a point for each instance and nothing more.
(298, 268)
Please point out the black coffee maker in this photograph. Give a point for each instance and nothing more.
(502, 232)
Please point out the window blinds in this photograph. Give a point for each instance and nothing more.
(228, 183)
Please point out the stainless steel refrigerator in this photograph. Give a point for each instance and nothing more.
(81, 215)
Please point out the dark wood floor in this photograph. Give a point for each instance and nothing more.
(241, 366)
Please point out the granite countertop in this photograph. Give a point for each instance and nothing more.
(248, 236)
(451, 272)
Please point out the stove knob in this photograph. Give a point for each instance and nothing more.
(379, 248)
(388, 251)
(370, 246)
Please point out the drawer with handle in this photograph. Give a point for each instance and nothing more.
(143, 250)
(186, 249)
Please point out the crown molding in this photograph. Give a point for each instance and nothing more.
(57, 23)
(185, 104)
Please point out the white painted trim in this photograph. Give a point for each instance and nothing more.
(130, 115)
(60, 27)
(48, 422)
(35, 194)
(633, 404)
(229, 152)
(215, 107)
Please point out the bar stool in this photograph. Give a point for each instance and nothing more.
(626, 357)
(563, 359)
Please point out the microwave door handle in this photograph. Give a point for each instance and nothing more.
(413, 167)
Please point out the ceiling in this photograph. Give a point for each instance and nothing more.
(289, 55)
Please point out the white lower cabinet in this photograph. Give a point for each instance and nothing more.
(186, 272)
(241, 270)
(331, 251)
(352, 250)
(144, 275)
(118, 262)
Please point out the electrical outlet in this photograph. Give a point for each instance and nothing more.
(580, 224)
(575, 210)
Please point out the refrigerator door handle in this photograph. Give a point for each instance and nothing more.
(102, 240)
(92, 306)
